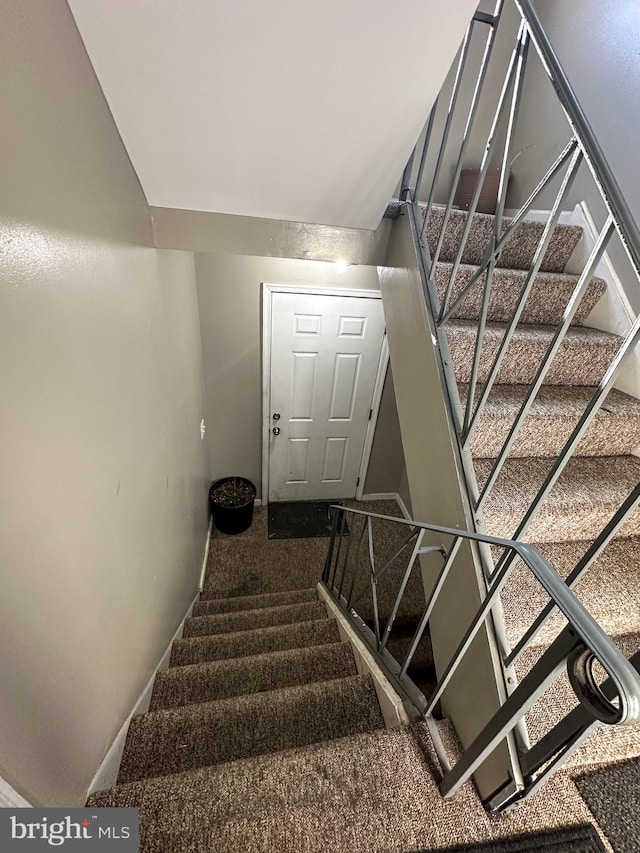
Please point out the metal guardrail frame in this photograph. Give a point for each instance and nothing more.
(581, 644)
(583, 147)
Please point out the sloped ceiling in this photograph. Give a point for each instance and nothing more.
(287, 109)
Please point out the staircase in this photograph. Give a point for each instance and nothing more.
(262, 735)
(597, 479)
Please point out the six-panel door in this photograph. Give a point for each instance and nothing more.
(325, 352)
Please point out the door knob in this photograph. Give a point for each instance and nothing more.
(276, 430)
(276, 416)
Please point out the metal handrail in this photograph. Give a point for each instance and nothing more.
(623, 675)
(578, 646)
(583, 146)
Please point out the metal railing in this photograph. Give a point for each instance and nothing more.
(582, 147)
(429, 210)
(351, 573)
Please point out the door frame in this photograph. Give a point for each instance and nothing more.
(268, 289)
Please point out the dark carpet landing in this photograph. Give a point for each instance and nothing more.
(613, 795)
(300, 520)
(571, 839)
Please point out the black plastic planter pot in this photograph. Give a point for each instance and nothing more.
(229, 516)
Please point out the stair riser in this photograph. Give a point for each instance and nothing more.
(583, 500)
(544, 306)
(207, 606)
(574, 526)
(220, 647)
(605, 437)
(200, 626)
(208, 682)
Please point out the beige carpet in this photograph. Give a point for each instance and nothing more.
(372, 793)
(593, 485)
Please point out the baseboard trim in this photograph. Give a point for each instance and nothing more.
(205, 559)
(107, 773)
(10, 798)
(379, 496)
(394, 711)
(403, 507)
(388, 496)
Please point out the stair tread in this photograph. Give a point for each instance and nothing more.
(336, 795)
(586, 495)
(252, 602)
(582, 359)
(242, 643)
(175, 739)
(610, 589)
(245, 620)
(545, 304)
(203, 682)
(615, 430)
(518, 250)
(586, 334)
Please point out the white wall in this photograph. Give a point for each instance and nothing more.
(293, 110)
(103, 501)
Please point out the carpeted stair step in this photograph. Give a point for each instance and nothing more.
(518, 251)
(247, 620)
(551, 420)
(174, 740)
(610, 590)
(242, 643)
(373, 791)
(587, 494)
(206, 606)
(544, 306)
(582, 359)
(205, 682)
(605, 744)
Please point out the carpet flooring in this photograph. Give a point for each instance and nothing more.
(251, 563)
(613, 795)
(371, 793)
(545, 305)
(202, 682)
(274, 638)
(518, 249)
(198, 735)
(615, 430)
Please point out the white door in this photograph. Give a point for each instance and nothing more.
(325, 352)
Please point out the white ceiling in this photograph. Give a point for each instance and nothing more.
(303, 110)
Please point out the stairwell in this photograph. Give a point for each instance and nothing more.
(263, 735)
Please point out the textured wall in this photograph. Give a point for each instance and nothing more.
(229, 295)
(103, 500)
